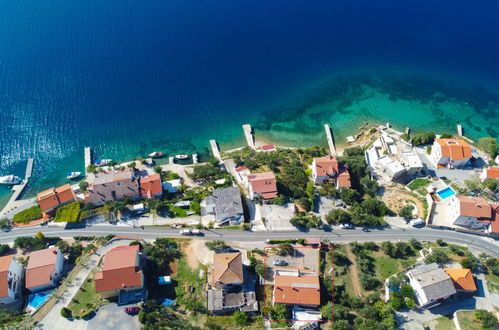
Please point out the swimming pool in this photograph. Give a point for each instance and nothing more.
(446, 193)
(36, 300)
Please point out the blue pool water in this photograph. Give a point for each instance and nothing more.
(446, 193)
(38, 299)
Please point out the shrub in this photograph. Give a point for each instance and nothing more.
(213, 245)
(68, 213)
(469, 262)
(440, 242)
(31, 243)
(406, 211)
(489, 321)
(66, 313)
(423, 138)
(369, 282)
(416, 244)
(4, 248)
(438, 256)
(338, 216)
(241, 318)
(33, 213)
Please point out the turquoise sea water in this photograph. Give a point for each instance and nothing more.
(130, 77)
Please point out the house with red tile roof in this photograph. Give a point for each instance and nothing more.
(452, 153)
(490, 173)
(296, 287)
(462, 278)
(227, 269)
(475, 213)
(150, 186)
(112, 186)
(50, 199)
(268, 147)
(121, 271)
(262, 184)
(327, 169)
(11, 278)
(44, 269)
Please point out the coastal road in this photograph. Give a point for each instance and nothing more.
(394, 234)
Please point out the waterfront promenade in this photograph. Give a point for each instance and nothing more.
(14, 203)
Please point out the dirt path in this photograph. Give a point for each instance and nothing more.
(395, 198)
(354, 273)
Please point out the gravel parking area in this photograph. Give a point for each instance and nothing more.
(277, 217)
(112, 316)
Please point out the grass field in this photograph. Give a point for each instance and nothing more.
(442, 323)
(418, 183)
(86, 299)
(227, 322)
(386, 266)
(467, 321)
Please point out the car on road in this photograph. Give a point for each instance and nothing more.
(280, 262)
(132, 310)
(346, 226)
(190, 232)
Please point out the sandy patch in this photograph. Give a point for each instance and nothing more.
(197, 252)
(396, 198)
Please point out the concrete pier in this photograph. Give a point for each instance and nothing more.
(88, 157)
(459, 130)
(18, 189)
(29, 169)
(330, 140)
(215, 150)
(248, 133)
(194, 159)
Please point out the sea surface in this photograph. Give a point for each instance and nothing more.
(130, 77)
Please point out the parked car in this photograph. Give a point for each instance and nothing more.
(417, 222)
(280, 262)
(131, 310)
(346, 226)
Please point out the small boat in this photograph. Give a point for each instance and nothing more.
(155, 154)
(73, 175)
(181, 156)
(10, 179)
(102, 162)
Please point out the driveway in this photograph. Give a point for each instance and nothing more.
(112, 316)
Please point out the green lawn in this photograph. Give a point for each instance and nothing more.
(467, 321)
(177, 212)
(442, 323)
(227, 322)
(86, 299)
(185, 278)
(418, 183)
(385, 267)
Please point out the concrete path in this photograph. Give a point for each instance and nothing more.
(53, 320)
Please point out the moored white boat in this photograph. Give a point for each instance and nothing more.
(181, 156)
(102, 162)
(73, 175)
(10, 179)
(155, 154)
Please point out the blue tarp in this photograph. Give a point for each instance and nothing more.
(167, 302)
(163, 280)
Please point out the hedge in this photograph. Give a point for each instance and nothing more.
(68, 213)
(33, 213)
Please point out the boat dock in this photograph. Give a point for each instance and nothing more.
(330, 140)
(459, 130)
(248, 133)
(88, 157)
(194, 159)
(215, 150)
(18, 189)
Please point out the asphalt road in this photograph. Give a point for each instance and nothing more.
(394, 234)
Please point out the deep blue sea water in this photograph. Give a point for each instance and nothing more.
(129, 77)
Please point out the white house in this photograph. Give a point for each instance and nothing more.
(392, 168)
(431, 285)
(11, 278)
(471, 212)
(450, 153)
(44, 269)
(411, 162)
(327, 169)
(172, 186)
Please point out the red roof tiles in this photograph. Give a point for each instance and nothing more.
(119, 269)
(150, 186)
(41, 265)
(4, 270)
(54, 197)
(326, 166)
(263, 184)
(475, 207)
(455, 149)
(492, 172)
(298, 290)
(227, 268)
